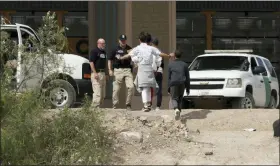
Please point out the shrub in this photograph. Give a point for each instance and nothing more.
(28, 136)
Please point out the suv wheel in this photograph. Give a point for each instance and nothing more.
(60, 94)
(246, 102)
(272, 103)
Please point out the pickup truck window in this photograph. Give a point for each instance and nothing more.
(221, 63)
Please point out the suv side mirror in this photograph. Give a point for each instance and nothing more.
(259, 70)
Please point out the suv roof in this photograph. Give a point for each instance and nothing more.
(232, 54)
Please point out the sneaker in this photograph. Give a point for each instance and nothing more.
(114, 107)
(157, 108)
(146, 109)
(128, 107)
(177, 114)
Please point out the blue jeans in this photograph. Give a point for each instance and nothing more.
(159, 91)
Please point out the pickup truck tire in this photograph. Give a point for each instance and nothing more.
(246, 102)
(272, 103)
(60, 94)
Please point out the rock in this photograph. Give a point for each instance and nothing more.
(142, 118)
(167, 118)
(132, 136)
(149, 125)
(208, 153)
(186, 134)
(188, 139)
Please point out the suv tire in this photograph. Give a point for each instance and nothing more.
(60, 94)
(246, 102)
(272, 103)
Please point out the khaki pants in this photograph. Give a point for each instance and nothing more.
(120, 75)
(98, 87)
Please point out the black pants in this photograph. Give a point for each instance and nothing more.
(159, 92)
(177, 93)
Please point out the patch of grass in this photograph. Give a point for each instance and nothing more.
(69, 138)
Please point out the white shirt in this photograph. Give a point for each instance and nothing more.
(144, 54)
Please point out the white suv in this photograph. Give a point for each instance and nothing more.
(72, 85)
(236, 76)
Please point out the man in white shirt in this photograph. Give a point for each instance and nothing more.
(144, 56)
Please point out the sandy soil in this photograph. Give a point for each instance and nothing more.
(201, 137)
(156, 138)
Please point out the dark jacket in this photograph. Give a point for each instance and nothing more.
(178, 73)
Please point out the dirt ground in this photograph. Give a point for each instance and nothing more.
(201, 137)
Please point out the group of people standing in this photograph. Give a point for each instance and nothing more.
(149, 62)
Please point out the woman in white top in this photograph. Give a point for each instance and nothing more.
(146, 57)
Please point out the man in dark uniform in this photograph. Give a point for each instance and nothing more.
(97, 60)
(121, 70)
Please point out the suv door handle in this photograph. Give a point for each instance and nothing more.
(261, 81)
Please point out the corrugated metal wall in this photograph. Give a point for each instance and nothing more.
(228, 5)
(44, 5)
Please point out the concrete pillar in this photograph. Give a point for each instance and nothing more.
(159, 19)
(91, 25)
(108, 20)
(124, 27)
(209, 25)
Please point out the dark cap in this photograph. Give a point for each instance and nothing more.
(122, 37)
(155, 41)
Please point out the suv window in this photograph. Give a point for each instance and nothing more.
(220, 63)
(28, 39)
(260, 62)
(270, 68)
(253, 64)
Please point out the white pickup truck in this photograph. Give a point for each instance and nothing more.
(238, 77)
(72, 85)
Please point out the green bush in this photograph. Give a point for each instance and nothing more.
(28, 135)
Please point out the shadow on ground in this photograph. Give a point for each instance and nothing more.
(202, 114)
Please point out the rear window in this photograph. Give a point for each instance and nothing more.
(220, 63)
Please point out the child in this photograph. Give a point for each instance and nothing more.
(178, 81)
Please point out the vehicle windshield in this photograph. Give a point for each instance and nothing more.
(220, 63)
